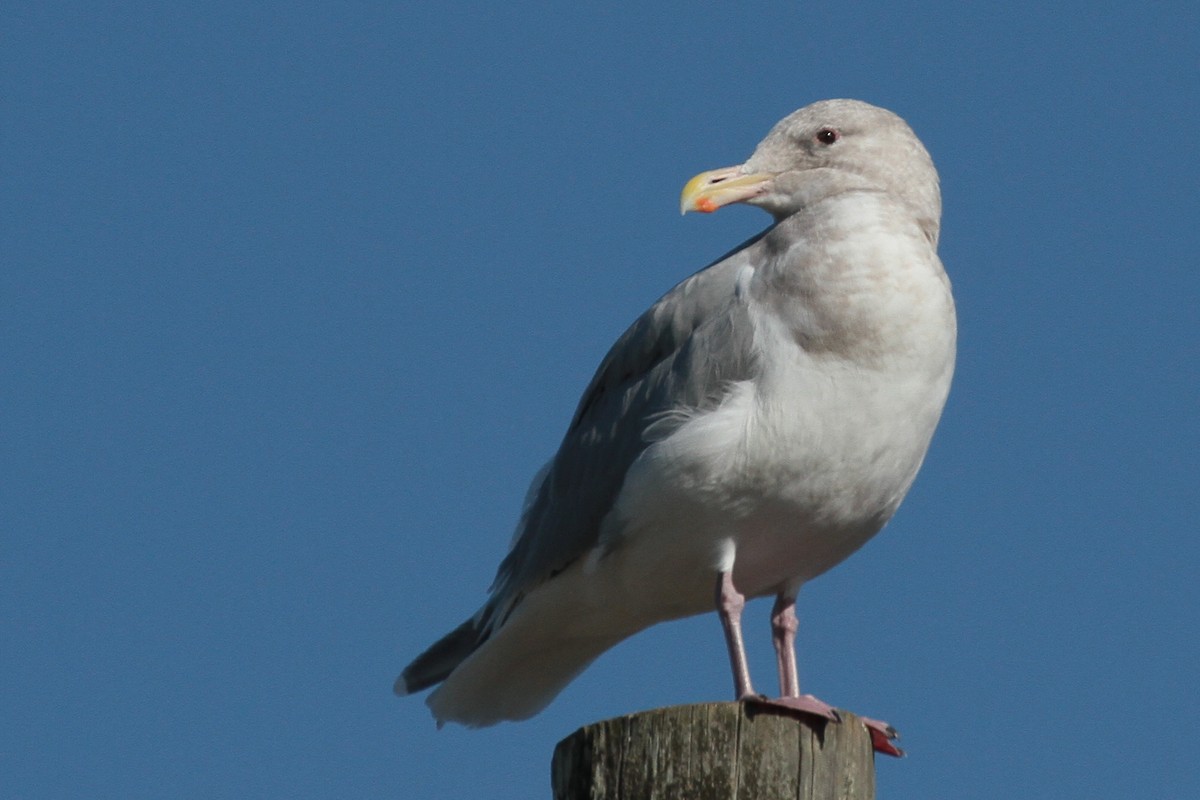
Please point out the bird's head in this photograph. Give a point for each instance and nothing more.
(822, 150)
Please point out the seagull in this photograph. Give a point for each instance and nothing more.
(751, 430)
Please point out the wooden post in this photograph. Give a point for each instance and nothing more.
(716, 751)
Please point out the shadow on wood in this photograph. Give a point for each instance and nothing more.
(716, 751)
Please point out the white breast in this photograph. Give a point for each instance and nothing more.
(795, 469)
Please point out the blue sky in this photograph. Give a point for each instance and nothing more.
(296, 297)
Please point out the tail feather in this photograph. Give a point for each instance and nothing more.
(517, 671)
(443, 656)
(489, 673)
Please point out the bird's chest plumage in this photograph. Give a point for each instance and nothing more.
(799, 466)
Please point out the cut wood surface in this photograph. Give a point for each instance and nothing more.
(716, 751)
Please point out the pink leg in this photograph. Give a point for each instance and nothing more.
(784, 625)
(783, 634)
(783, 629)
(730, 603)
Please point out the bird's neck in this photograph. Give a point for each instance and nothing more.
(856, 279)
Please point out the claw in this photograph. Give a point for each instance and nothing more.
(882, 737)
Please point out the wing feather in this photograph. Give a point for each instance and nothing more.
(673, 360)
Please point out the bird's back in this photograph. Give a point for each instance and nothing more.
(749, 431)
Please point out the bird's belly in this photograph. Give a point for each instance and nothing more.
(780, 491)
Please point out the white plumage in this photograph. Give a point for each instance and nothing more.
(764, 418)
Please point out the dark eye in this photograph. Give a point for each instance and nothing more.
(828, 135)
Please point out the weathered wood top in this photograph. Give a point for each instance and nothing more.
(716, 751)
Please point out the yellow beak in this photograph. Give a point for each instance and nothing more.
(710, 190)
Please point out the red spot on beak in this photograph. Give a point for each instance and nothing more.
(706, 205)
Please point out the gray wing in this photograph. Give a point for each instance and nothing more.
(678, 355)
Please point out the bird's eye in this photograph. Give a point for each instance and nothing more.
(828, 135)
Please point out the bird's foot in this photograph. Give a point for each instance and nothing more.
(805, 704)
(883, 737)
